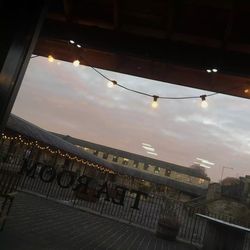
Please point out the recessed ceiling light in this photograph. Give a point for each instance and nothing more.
(209, 70)
(72, 41)
(215, 70)
(78, 46)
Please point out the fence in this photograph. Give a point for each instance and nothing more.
(144, 212)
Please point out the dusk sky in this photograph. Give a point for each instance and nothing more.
(76, 101)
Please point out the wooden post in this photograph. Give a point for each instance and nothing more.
(20, 24)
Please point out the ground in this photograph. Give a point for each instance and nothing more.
(37, 223)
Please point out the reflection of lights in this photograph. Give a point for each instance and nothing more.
(214, 70)
(111, 84)
(205, 161)
(202, 165)
(76, 63)
(152, 153)
(154, 103)
(51, 58)
(204, 103)
(149, 148)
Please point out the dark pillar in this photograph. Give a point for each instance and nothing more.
(20, 24)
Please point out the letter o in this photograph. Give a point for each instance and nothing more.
(46, 169)
(60, 176)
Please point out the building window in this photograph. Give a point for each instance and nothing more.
(105, 155)
(168, 172)
(157, 170)
(125, 161)
(201, 181)
(115, 158)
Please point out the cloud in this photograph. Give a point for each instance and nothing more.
(76, 101)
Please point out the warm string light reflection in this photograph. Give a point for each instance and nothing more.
(112, 83)
(204, 103)
(51, 58)
(76, 63)
(57, 151)
(154, 103)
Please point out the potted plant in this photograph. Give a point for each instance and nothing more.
(168, 227)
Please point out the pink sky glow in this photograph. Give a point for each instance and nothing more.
(76, 101)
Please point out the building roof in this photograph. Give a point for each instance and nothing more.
(31, 131)
(34, 132)
(132, 156)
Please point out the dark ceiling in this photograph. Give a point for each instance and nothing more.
(173, 41)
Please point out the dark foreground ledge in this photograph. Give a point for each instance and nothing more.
(37, 223)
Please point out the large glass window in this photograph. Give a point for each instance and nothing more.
(157, 170)
(125, 161)
(115, 158)
(105, 155)
(167, 172)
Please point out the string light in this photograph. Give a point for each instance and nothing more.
(154, 103)
(111, 84)
(204, 103)
(51, 58)
(76, 63)
(214, 70)
(66, 155)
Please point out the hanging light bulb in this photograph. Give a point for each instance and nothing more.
(76, 63)
(111, 84)
(51, 58)
(154, 103)
(204, 103)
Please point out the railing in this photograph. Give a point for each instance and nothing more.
(150, 208)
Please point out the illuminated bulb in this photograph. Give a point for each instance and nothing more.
(78, 46)
(154, 103)
(215, 70)
(51, 58)
(111, 84)
(76, 63)
(246, 91)
(204, 103)
(72, 41)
